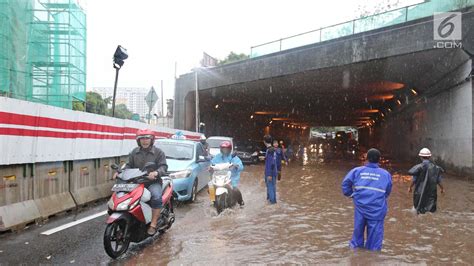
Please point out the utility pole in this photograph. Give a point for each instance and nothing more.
(197, 99)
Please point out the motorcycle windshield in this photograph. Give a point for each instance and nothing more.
(128, 174)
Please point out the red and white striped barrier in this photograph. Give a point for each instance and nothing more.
(32, 132)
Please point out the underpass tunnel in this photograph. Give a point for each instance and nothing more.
(399, 104)
(362, 95)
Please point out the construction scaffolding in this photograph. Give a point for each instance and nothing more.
(43, 51)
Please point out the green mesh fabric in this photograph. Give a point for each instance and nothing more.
(43, 51)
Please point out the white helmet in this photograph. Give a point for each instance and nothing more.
(424, 153)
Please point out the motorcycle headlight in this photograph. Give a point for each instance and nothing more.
(181, 174)
(123, 206)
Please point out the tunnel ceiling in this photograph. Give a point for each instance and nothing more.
(355, 94)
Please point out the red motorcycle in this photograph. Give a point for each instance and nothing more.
(130, 215)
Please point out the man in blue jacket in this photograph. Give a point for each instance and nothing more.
(369, 187)
(225, 156)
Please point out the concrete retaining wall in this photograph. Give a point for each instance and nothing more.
(442, 122)
(29, 192)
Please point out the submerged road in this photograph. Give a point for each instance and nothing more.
(312, 223)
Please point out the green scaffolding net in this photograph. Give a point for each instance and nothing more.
(43, 51)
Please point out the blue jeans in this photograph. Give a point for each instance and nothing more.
(271, 189)
(156, 201)
(375, 232)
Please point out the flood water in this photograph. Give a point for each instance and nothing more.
(312, 223)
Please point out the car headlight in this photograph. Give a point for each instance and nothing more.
(123, 206)
(255, 154)
(181, 174)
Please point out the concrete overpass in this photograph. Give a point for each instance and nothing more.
(394, 83)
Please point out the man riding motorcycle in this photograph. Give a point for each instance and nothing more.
(225, 156)
(204, 144)
(138, 157)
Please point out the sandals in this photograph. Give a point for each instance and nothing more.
(151, 230)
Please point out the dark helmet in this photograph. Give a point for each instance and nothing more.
(268, 139)
(145, 133)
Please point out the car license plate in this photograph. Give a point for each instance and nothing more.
(124, 187)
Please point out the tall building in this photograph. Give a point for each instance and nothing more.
(43, 51)
(133, 98)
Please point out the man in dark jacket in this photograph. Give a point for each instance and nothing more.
(145, 153)
(426, 177)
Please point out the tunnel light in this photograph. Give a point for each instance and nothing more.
(414, 92)
(368, 111)
(266, 113)
(271, 122)
(251, 117)
(217, 106)
(398, 102)
(389, 109)
(382, 115)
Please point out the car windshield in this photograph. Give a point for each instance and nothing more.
(176, 151)
(215, 143)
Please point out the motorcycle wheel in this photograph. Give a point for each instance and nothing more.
(115, 242)
(170, 212)
(220, 203)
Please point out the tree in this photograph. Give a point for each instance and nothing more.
(369, 9)
(233, 57)
(108, 100)
(95, 104)
(78, 106)
(121, 111)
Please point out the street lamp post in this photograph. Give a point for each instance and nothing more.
(119, 56)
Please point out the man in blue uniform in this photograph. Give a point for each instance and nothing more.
(273, 159)
(369, 187)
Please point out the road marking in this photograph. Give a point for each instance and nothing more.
(71, 224)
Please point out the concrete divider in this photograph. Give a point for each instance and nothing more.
(83, 181)
(51, 188)
(104, 176)
(17, 206)
(33, 191)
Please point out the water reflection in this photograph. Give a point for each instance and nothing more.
(312, 223)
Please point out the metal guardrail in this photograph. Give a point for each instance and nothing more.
(388, 18)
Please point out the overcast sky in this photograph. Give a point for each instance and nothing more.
(159, 33)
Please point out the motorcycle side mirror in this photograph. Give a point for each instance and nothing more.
(149, 167)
